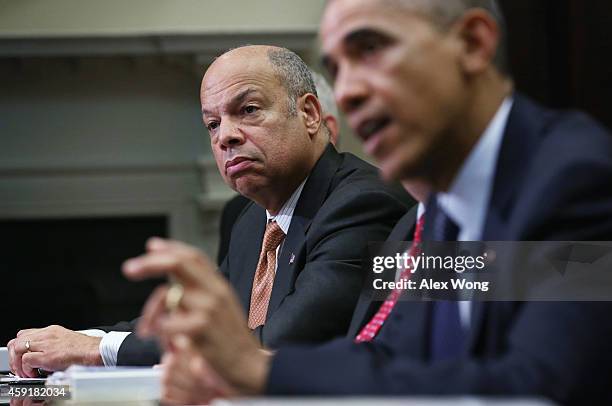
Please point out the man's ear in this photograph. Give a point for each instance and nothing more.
(480, 36)
(310, 109)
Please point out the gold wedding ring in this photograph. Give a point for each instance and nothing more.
(174, 296)
(27, 345)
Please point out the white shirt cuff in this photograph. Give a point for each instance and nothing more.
(93, 332)
(109, 346)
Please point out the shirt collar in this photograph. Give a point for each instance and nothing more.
(467, 200)
(420, 210)
(285, 214)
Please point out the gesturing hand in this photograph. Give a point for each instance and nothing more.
(208, 313)
(187, 377)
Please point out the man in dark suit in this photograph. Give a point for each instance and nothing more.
(424, 85)
(136, 351)
(295, 253)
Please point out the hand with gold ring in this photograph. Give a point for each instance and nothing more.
(174, 296)
(210, 317)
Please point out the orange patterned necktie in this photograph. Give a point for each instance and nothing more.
(264, 275)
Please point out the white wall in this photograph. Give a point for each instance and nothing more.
(99, 111)
(103, 137)
(121, 17)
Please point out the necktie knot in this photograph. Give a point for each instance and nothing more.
(272, 237)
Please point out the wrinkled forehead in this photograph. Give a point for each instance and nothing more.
(343, 17)
(225, 79)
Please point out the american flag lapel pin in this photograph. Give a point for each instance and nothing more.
(292, 259)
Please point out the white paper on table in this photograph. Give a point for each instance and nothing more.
(10, 378)
(4, 365)
(110, 384)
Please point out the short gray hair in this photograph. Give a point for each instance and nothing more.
(293, 74)
(325, 94)
(445, 12)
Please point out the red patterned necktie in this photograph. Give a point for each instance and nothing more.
(373, 327)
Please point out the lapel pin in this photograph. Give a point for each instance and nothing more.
(292, 259)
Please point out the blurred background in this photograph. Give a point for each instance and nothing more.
(102, 144)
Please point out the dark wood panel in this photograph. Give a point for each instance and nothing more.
(560, 52)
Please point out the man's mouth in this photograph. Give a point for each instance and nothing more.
(369, 128)
(237, 165)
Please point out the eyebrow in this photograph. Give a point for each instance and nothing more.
(360, 35)
(239, 98)
(351, 40)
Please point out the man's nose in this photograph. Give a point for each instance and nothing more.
(350, 89)
(230, 134)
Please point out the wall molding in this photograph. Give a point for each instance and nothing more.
(206, 46)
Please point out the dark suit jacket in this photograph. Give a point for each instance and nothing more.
(342, 207)
(230, 213)
(553, 182)
(134, 351)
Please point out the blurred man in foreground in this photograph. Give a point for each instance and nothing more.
(423, 84)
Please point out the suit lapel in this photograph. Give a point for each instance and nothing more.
(292, 256)
(366, 306)
(249, 242)
(520, 139)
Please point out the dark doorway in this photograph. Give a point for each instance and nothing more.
(68, 271)
(560, 53)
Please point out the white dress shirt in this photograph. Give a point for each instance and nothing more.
(285, 214)
(468, 198)
(109, 346)
(111, 341)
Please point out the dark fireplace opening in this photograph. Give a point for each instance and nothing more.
(68, 271)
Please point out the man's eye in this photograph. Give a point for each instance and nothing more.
(212, 126)
(371, 45)
(250, 109)
(332, 71)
